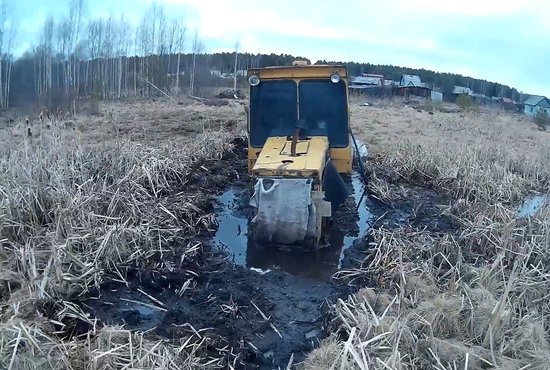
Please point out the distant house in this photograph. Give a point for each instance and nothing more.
(411, 81)
(366, 81)
(461, 90)
(481, 98)
(371, 85)
(453, 95)
(504, 103)
(437, 96)
(361, 82)
(413, 85)
(534, 104)
(240, 73)
(373, 75)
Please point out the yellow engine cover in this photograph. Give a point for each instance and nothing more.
(275, 158)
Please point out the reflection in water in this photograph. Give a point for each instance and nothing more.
(365, 217)
(232, 230)
(232, 234)
(532, 206)
(318, 264)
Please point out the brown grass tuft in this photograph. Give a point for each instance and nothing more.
(75, 212)
(475, 296)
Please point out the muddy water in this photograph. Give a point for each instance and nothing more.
(232, 232)
(128, 307)
(365, 215)
(234, 214)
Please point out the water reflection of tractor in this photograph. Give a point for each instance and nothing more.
(299, 144)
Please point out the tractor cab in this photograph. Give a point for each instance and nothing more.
(298, 145)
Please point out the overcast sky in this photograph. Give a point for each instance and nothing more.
(502, 41)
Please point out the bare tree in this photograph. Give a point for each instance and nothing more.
(43, 69)
(152, 35)
(144, 47)
(172, 46)
(7, 38)
(235, 68)
(179, 31)
(122, 43)
(75, 17)
(197, 49)
(94, 59)
(63, 36)
(136, 57)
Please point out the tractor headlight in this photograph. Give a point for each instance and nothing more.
(335, 78)
(254, 80)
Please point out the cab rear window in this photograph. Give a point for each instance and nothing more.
(320, 105)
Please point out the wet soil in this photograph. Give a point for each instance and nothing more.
(419, 208)
(264, 305)
(264, 318)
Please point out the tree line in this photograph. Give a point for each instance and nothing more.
(109, 58)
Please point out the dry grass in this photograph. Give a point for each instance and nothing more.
(153, 123)
(74, 211)
(475, 297)
(77, 206)
(389, 122)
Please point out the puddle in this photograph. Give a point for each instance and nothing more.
(365, 216)
(233, 214)
(228, 301)
(532, 205)
(232, 233)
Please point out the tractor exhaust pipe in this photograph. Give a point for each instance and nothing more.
(301, 124)
(294, 142)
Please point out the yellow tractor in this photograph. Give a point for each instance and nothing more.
(299, 142)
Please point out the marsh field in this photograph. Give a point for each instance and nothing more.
(123, 245)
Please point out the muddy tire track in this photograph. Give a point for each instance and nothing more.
(264, 311)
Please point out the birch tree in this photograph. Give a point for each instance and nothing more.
(43, 61)
(179, 30)
(75, 19)
(197, 49)
(7, 38)
(235, 67)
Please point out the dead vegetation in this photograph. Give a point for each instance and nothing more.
(74, 214)
(81, 206)
(154, 123)
(474, 297)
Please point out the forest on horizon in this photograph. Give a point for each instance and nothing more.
(108, 58)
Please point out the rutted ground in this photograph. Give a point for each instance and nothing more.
(128, 235)
(75, 215)
(269, 315)
(265, 318)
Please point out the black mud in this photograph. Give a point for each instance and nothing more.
(263, 305)
(229, 303)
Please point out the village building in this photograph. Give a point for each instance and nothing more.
(536, 103)
(413, 85)
(366, 81)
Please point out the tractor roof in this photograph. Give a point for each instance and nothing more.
(298, 71)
